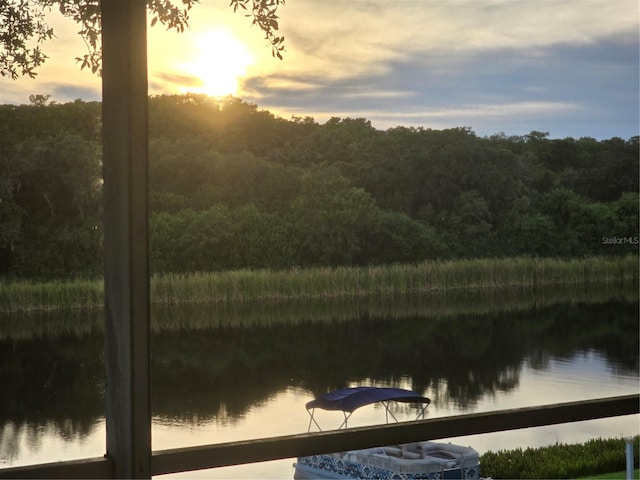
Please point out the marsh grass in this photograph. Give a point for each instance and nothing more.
(435, 305)
(264, 285)
(240, 286)
(441, 305)
(28, 296)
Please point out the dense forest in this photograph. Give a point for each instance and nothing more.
(233, 186)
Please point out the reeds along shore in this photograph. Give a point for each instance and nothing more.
(264, 285)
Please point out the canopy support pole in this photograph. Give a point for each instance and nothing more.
(312, 419)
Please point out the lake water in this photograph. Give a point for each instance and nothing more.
(228, 374)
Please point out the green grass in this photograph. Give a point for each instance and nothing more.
(594, 457)
(613, 476)
(240, 286)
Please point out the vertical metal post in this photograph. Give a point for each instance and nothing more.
(126, 271)
(629, 455)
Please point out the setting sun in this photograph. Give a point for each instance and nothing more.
(219, 60)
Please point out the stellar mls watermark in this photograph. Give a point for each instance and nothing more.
(620, 240)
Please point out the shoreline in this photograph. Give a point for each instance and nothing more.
(266, 286)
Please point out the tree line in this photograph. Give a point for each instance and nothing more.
(233, 186)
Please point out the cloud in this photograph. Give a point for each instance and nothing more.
(163, 82)
(66, 93)
(447, 117)
(360, 57)
(504, 111)
(549, 86)
(346, 39)
(566, 66)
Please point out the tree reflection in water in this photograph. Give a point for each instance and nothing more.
(214, 364)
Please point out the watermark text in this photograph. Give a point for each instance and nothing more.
(620, 240)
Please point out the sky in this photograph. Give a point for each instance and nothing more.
(567, 67)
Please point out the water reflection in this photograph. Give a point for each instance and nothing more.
(220, 368)
(228, 369)
(49, 381)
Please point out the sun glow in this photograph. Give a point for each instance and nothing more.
(219, 61)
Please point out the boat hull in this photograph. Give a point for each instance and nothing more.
(416, 461)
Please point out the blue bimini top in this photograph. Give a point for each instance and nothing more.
(349, 399)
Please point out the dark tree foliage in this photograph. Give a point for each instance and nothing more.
(233, 186)
(23, 28)
(20, 23)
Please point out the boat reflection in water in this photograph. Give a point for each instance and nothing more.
(412, 461)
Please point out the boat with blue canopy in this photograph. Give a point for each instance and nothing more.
(410, 461)
(348, 400)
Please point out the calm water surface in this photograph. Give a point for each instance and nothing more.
(223, 375)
